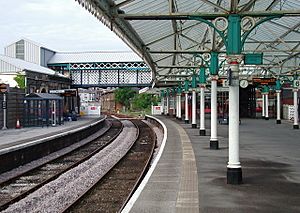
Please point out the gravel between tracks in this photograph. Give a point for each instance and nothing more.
(56, 195)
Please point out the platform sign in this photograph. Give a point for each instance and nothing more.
(264, 81)
(4, 105)
(296, 84)
(225, 83)
(3, 88)
(156, 110)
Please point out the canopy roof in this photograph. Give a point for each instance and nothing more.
(169, 35)
(14, 65)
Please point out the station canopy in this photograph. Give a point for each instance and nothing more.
(176, 37)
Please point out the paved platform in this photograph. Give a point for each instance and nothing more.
(269, 155)
(13, 137)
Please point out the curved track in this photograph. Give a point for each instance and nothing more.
(111, 193)
(23, 184)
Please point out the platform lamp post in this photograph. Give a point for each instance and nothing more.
(162, 96)
(194, 99)
(213, 69)
(167, 101)
(202, 81)
(174, 101)
(278, 91)
(186, 111)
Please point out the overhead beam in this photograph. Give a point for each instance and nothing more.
(186, 16)
(181, 51)
(177, 67)
(124, 3)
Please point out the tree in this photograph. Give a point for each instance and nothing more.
(20, 79)
(143, 101)
(124, 96)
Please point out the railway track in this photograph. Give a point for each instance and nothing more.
(111, 193)
(23, 184)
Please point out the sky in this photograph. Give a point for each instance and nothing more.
(60, 25)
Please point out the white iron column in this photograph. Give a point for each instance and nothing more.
(186, 120)
(194, 123)
(278, 121)
(234, 170)
(263, 105)
(179, 106)
(202, 114)
(296, 125)
(214, 143)
(167, 105)
(174, 105)
(162, 105)
(267, 106)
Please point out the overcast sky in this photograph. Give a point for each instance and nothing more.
(61, 25)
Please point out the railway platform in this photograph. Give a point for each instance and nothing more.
(190, 177)
(14, 137)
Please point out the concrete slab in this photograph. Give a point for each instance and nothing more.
(269, 155)
(173, 186)
(12, 137)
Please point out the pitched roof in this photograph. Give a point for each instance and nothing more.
(95, 56)
(9, 64)
(43, 96)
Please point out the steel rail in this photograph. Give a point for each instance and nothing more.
(84, 195)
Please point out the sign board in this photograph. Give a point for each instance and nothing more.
(94, 110)
(253, 59)
(3, 88)
(225, 83)
(64, 92)
(4, 104)
(156, 110)
(296, 84)
(263, 81)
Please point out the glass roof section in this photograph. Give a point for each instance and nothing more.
(163, 33)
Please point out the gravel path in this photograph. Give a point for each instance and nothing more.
(56, 195)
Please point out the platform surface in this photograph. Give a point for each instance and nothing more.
(270, 159)
(13, 137)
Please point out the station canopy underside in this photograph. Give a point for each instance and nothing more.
(176, 37)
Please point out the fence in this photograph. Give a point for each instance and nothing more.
(14, 111)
